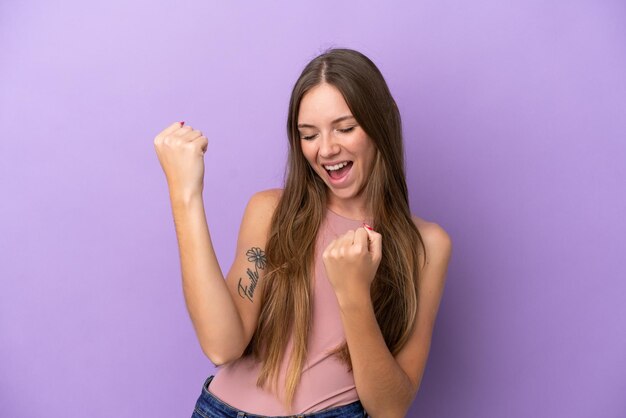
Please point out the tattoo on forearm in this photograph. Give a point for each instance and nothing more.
(256, 256)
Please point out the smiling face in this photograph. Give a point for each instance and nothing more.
(336, 147)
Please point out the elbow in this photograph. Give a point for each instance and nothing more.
(388, 413)
(398, 407)
(221, 357)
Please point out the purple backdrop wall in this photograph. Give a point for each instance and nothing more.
(515, 123)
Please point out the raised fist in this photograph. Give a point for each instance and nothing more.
(351, 263)
(181, 153)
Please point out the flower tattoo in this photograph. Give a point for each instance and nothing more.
(257, 256)
(246, 289)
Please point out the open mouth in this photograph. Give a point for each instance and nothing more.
(338, 171)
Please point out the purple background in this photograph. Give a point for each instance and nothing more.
(515, 121)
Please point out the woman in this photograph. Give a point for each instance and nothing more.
(329, 307)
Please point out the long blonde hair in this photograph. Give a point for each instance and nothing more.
(286, 300)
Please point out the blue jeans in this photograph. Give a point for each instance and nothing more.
(209, 406)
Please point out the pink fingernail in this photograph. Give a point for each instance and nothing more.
(181, 123)
(367, 226)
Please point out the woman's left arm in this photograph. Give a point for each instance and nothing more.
(386, 384)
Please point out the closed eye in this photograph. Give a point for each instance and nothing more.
(346, 130)
(307, 137)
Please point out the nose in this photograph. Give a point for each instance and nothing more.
(329, 146)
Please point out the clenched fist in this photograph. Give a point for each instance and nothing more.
(351, 262)
(181, 153)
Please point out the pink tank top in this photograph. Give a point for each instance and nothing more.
(325, 381)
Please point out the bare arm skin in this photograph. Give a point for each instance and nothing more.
(245, 278)
(212, 311)
(224, 313)
(386, 384)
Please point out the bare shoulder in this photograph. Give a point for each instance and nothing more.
(437, 241)
(269, 197)
(258, 214)
(264, 203)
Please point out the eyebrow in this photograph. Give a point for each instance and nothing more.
(341, 119)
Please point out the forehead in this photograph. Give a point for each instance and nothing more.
(323, 103)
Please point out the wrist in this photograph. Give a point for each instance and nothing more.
(355, 301)
(180, 198)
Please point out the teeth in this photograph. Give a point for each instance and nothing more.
(336, 166)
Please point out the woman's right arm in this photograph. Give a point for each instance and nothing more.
(224, 313)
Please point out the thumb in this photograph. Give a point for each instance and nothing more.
(375, 242)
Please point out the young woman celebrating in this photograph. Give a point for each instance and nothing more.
(329, 306)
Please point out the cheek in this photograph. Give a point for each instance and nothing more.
(308, 152)
(371, 154)
(366, 149)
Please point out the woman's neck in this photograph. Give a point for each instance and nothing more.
(352, 209)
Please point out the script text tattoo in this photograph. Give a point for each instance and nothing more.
(246, 288)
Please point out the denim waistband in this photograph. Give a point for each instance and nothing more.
(210, 406)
